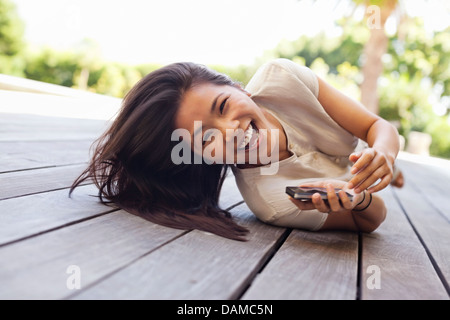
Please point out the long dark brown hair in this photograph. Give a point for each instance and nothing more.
(131, 163)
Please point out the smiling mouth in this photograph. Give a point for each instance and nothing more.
(251, 137)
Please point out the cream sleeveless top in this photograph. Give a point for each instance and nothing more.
(319, 146)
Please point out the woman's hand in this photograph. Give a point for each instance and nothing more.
(369, 166)
(334, 203)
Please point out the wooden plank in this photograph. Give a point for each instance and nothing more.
(426, 213)
(30, 215)
(10, 83)
(27, 127)
(429, 207)
(20, 183)
(79, 106)
(430, 181)
(436, 165)
(310, 266)
(36, 268)
(402, 267)
(196, 266)
(21, 155)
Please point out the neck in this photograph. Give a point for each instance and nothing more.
(284, 153)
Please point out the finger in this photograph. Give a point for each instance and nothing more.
(365, 173)
(346, 203)
(358, 179)
(379, 173)
(303, 205)
(399, 181)
(333, 200)
(380, 186)
(319, 203)
(355, 156)
(363, 161)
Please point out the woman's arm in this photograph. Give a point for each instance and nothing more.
(367, 220)
(376, 162)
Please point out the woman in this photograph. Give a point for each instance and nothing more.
(287, 119)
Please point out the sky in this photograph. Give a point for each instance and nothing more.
(227, 32)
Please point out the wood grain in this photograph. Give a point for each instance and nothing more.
(31, 215)
(310, 265)
(121, 256)
(196, 266)
(406, 272)
(36, 267)
(21, 183)
(431, 183)
(26, 127)
(432, 226)
(24, 155)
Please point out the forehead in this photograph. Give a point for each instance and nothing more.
(196, 104)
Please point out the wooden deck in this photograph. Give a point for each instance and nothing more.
(50, 243)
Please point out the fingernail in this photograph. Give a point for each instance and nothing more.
(357, 190)
(350, 185)
(354, 170)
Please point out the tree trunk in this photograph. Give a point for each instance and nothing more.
(374, 50)
(84, 78)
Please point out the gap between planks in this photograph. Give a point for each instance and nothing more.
(427, 250)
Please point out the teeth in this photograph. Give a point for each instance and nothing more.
(248, 137)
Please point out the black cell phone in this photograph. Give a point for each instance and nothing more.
(306, 193)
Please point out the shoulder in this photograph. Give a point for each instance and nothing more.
(285, 70)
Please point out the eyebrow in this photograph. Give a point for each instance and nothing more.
(213, 107)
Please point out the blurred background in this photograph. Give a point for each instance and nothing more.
(392, 55)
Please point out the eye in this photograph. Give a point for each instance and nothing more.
(222, 105)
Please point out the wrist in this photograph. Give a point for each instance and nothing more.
(365, 202)
(390, 155)
(359, 199)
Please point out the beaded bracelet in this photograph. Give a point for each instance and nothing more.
(370, 202)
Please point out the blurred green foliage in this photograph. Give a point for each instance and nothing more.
(11, 39)
(414, 89)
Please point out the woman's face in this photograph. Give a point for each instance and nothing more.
(226, 126)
